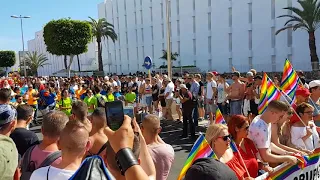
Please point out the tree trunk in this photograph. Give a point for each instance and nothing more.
(313, 51)
(100, 63)
(36, 73)
(65, 62)
(69, 67)
(79, 69)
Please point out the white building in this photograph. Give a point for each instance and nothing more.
(211, 34)
(88, 60)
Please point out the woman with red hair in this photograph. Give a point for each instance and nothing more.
(238, 126)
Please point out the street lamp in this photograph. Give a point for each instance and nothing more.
(168, 39)
(24, 61)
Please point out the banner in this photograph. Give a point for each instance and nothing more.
(289, 172)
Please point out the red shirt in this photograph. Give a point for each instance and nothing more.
(236, 167)
(41, 87)
(249, 157)
(294, 118)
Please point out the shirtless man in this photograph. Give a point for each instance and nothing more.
(249, 104)
(236, 94)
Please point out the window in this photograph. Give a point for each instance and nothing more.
(209, 21)
(143, 51)
(161, 10)
(142, 37)
(194, 47)
(289, 31)
(178, 27)
(127, 37)
(230, 42)
(162, 28)
(126, 22)
(194, 4)
(128, 54)
(178, 47)
(230, 17)
(125, 5)
(209, 44)
(273, 37)
(134, 3)
(195, 62)
(194, 24)
(289, 2)
(141, 16)
(273, 9)
(137, 52)
(152, 36)
(209, 3)
(120, 55)
(151, 14)
(250, 12)
(250, 62)
(137, 35)
(140, 2)
(209, 64)
(135, 18)
(250, 39)
(178, 9)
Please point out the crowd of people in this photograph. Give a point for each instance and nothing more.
(74, 125)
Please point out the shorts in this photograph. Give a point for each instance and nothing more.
(177, 100)
(169, 103)
(148, 100)
(200, 103)
(236, 107)
(211, 108)
(253, 107)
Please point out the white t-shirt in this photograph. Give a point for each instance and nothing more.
(260, 133)
(311, 143)
(54, 174)
(222, 95)
(209, 92)
(114, 84)
(169, 89)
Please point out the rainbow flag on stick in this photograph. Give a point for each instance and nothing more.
(290, 80)
(219, 117)
(200, 149)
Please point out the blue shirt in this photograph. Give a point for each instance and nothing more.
(103, 92)
(194, 89)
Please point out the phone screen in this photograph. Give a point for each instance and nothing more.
(128, 110)
(115, 116)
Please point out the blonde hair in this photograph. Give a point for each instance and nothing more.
(214, 131)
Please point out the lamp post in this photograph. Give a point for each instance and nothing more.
(24, 60)
(168, 39)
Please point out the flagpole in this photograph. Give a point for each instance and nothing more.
(245, 167)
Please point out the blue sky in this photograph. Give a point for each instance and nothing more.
(41, 11)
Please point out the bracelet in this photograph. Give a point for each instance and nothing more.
(125, 159)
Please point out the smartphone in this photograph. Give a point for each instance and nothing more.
(128, 110)
(115, 115)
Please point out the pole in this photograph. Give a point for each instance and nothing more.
(24, 60)
(168, 40)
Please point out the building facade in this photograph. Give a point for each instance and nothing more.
(88, 60)
(211, 34)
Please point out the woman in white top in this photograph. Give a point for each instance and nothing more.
(301, 136)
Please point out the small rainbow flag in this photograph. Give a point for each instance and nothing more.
(290, 80)
(219, 117)
(233, 146)
(272, 91)
(200, 149)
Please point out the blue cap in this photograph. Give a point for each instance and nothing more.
(7, 114)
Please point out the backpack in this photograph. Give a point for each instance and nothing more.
(101, 101)
(27, 166)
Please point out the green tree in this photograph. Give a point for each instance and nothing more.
(7, 59)
(102, 30)
(67, 37)
(308, 19)
(174, 56)
(34, 61)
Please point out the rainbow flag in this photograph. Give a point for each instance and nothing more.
(233, 146)
(290, 80)
(269, 92)
(219, 117)
(200, 149)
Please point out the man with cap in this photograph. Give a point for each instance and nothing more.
(314, 100)
(8, 151)
(187, 107)
(209, 169)
(236, 94)
(302, 95)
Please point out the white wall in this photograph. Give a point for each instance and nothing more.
(268, 52)
(88, 60)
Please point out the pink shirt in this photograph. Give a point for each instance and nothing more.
(162, 156)
(38, 156)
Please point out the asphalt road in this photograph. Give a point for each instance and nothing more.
(170, 134)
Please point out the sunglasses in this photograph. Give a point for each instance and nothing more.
(247, 128)
(226, 138)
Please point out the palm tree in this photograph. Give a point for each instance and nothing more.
(174, 56)
(35, 60)
(102, 29)
(308, 19)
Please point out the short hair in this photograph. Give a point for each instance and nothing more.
(278, 105)
(197, 76)
(302, 107)
(5, 94)
(110, 154)
(24, 111)
(17, 96)
(214, 131)
(210, 74)
(53, 123)
(74, 137)
(152, 123)
(236, 121)
(80, 110)
(101, 122)
(97, 89)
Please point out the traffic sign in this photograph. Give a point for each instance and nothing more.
(147, 62)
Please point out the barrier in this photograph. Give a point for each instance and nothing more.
(311, 171)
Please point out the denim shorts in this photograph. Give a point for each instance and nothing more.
(236, 107)
(148, 100)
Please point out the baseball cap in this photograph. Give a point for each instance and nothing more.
(302, 92)
(7, 114)
(249, 74)
(209, 169)
(183, 86)
(8, 158)
(314, 83)
(236, 73)
(215, 73)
